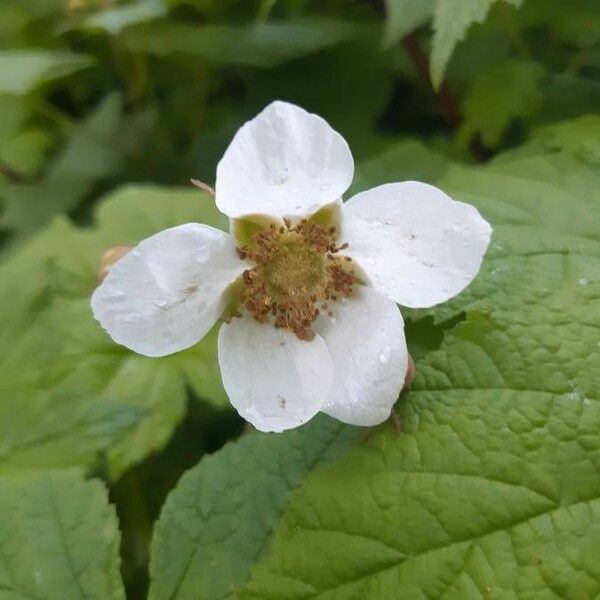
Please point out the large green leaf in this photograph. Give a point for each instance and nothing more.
(59, 539)
(451, 21)
(77, 393)
(258, 45)
(493, 487)
(21, 71)
(218, 521)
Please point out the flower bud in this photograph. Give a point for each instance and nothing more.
(109, 258)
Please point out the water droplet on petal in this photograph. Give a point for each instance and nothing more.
(384, 355)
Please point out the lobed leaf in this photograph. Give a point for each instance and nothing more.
(491, 103)
(218, 520)
(59, 539)
(451, 21)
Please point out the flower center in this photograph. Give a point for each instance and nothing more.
(297, 272)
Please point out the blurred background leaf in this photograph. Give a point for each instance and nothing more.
(22, 71)
(56, 359)
(59, 538)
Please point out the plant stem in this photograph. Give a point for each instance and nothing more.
(445, 99)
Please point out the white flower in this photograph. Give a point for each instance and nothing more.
(315, 286)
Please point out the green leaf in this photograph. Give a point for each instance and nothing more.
(491, 103)
(576, 22)
(567, 95)
(451, 21)
(21, 71)
(404, 16)
(218, 520)
(493, 486)
(258, 45)
(57, 429)
(506, 408)
(115, 20)
(577, 137)
(94, 151)
(21, 148)
(59, 539)
(25, 151)
(13, 20)
(404, 161)
(54, 355)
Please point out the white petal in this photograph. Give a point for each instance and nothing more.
(286, 162)
(273, 379)
(417, 245)
(366, 340)
(167, 293)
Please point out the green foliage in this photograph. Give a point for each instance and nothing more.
(94, 151)
(117, 19)
(218, 520)
(107, 109)
(59, 538)
(494, 482)
(404, 16)
(575, 22)
(76, 394)
(21, 71)
(22, 147)
(451, 21)
(491, 104)
(405, 161)
(261, 45)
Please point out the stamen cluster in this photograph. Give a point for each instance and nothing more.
(297, 272)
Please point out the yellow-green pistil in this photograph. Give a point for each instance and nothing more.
(297, 271)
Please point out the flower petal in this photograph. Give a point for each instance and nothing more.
(166, 293)
(273, 379)
(367, 345)
(417, 245)
(285, 162)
